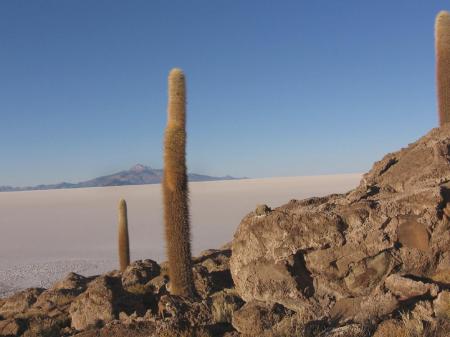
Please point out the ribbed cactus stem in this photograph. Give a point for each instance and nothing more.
(175, 190)
(124, 244)
(442, 31)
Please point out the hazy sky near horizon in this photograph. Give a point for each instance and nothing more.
(275, 88)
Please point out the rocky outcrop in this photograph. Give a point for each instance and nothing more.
(372, 262)
(133, 303)
(359, 256)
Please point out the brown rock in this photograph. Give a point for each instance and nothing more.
(159, 284)
(256, 318)
(391, 328)
(55, 299)
(72, 281)
(202, 280)
(139, 273)
(19, 302)
(175, 330)
(442, 273)
(423, 311)
(211, 271)
(365, 275)
(224, 304)
(268, 253)
(43, 326)
(262, 210)
(442, 328)
(141, 329)
(362, 309)
(405, 288)
(12, 327)
(442, 305)
(351, 330)
(442, 276)
(177, 308)
(233, 333)
(317, 253)
(413, 234)
(97, 305)
(423, 163)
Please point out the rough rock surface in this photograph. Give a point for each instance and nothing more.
(19, 302)
(442, 305)
(138, 274)
(223, 304)
(405, 288)
(391, 328)
(255, 318)
(97, 305)
(387, 241)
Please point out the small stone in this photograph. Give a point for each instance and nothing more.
(442, 305)
(139, 273)
(262, 210)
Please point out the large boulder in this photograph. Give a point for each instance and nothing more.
(340, 254)
(97, 305)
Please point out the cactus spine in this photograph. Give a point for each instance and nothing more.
(175, 190)
(124, 244)
(442, 37)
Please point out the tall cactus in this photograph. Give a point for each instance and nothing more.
(442, 36)
(124, 244)
(175, 190)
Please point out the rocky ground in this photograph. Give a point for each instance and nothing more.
(372, 262)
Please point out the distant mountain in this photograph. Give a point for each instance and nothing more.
(137, 175)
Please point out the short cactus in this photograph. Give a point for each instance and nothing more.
(175, 190)
(442, 36)
(124, 244)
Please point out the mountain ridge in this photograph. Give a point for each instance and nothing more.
(138, 174)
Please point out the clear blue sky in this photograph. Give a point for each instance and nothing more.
(275, 88)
